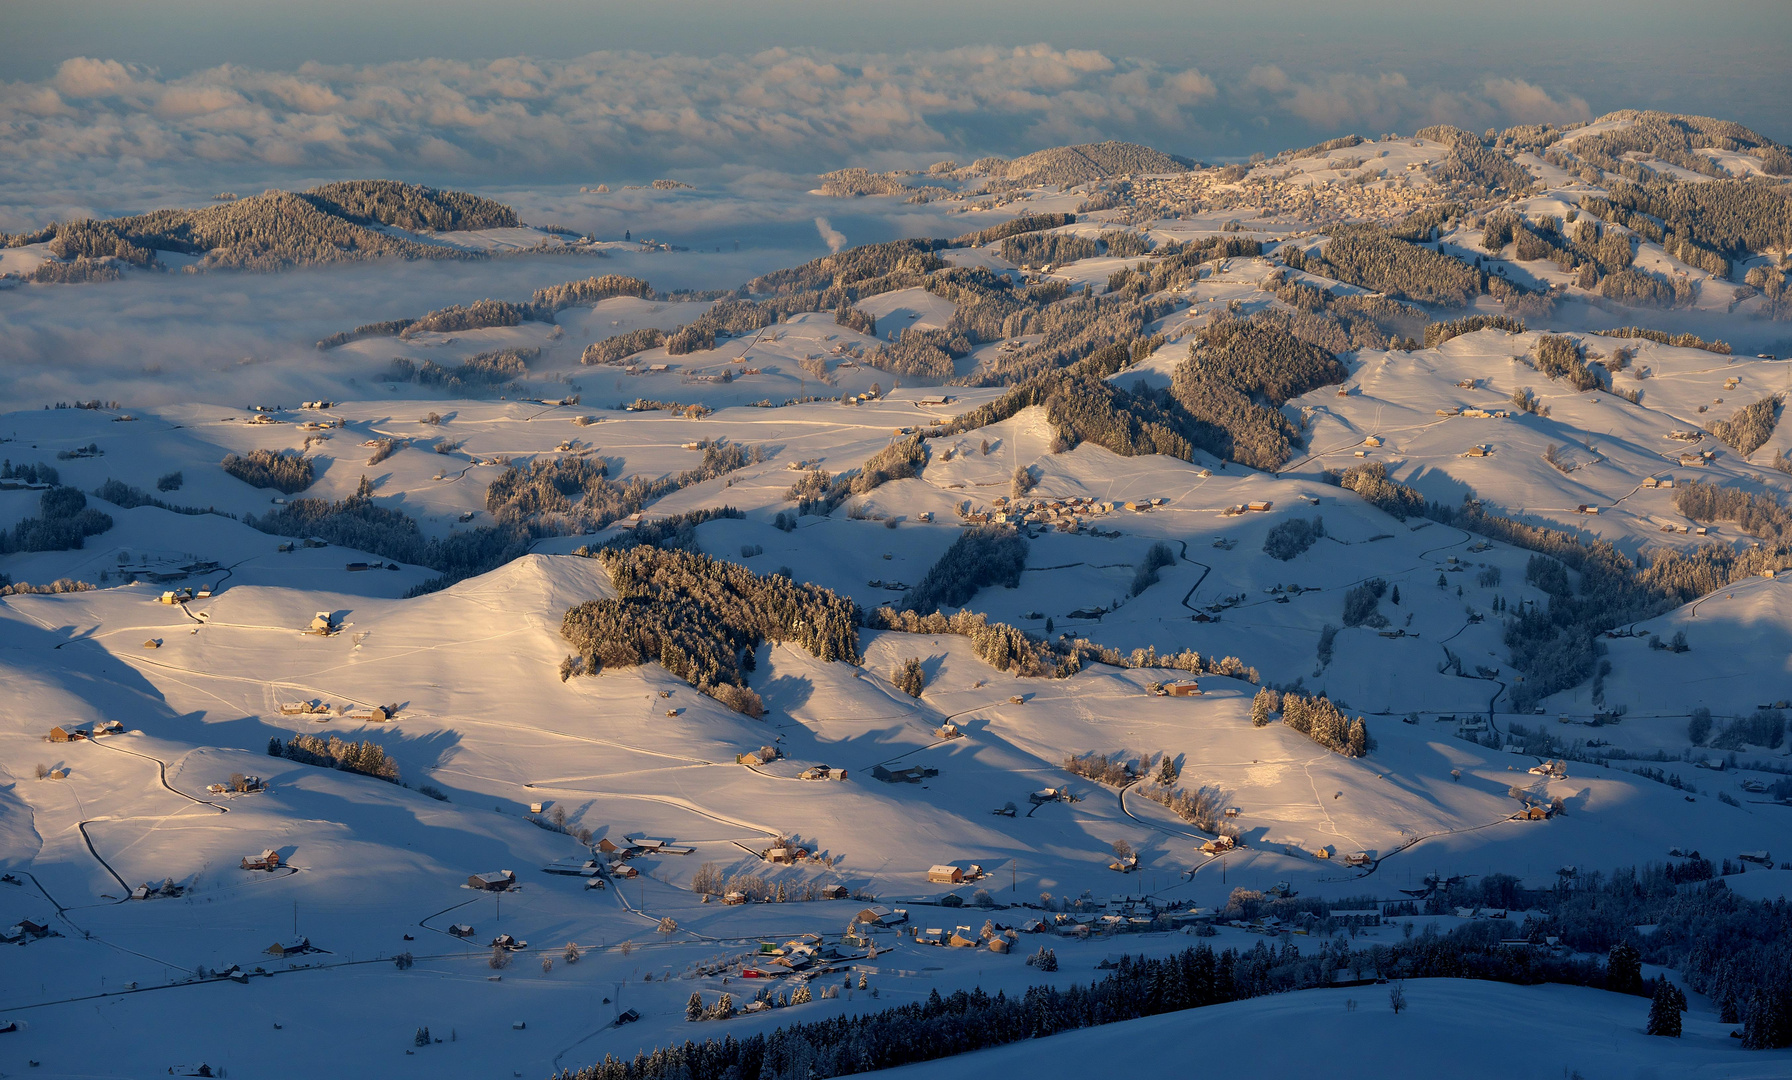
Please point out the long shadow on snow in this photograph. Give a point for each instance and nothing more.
(121, 692)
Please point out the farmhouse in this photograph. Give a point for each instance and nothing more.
(945, 874)
(267, 860)
(291, 947)
(492, 882)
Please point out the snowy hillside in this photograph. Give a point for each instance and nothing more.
(1383, 540)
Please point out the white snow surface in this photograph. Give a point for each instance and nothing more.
(1445, 1029)
(373, 870)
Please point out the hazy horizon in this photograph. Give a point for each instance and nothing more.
(106, 104)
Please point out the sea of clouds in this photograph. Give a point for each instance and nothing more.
(99, 134)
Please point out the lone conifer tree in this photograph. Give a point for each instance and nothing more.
(693, 1009)
(1260, 708)
(1664, 1010)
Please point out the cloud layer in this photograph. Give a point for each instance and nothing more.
(626, 114)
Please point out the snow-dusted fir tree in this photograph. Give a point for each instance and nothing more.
(1664, 1009)
(1260, 709)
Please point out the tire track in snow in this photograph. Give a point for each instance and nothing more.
(88, 840)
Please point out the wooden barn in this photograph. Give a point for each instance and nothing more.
(267, 860)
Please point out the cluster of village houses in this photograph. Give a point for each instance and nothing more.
(1067, 515)
(323, 710)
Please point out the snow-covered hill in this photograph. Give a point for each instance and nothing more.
(441, 539)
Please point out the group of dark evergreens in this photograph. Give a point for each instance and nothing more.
(1318, 718)
(63, 521)
(1224, 398)
(286, 471)
(982, 556)
(702, 619)
(333, 223)
(1366, 255)
(1749, 427)
(1758, 514)
(365, 757)
(476, 376)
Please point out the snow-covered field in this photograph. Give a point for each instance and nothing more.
(1450, 1027)
(372, 873)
